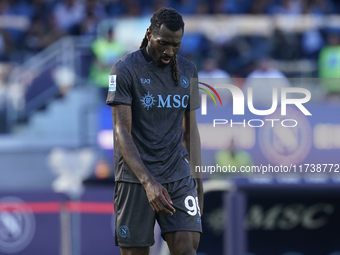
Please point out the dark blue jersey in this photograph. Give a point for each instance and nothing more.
(158, 106)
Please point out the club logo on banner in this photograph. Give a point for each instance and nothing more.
(282, 145)
(17, 225)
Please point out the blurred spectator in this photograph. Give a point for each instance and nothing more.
(107, 51)
(285, 45)
(218, 7)
(42, 34)
(5, 45)
(33, 37)
(52, 33)
(40, 9)
(312, 42)
(102, 169)
(89, 25)
(158, 4)
(18, 14)
(265, 69)
(317, 7)
(69, 14)
(124, 8)
(185, 7)
(97, 8)
(287, 7)
(263, 79)
(21, 8)
(232, 6)
(329, 63)
(260, 6)
(218, 76)
(4, 7)
(65, 79)
(211, 70)
(95, 12)
(194, 46)
(133, 8)
(4, 70)
(202, 8)
(232, 157)
(116, 8)
(236, 55)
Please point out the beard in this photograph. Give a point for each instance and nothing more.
(157, 58)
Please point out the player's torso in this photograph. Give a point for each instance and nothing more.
(158, 106)
(158, 103)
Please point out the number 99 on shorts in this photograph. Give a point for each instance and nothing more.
(192, 205)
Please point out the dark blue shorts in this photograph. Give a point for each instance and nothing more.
(135, 219)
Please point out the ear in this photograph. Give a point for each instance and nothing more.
(148, 34)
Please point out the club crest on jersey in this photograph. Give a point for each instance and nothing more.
(184, 81)
(148, 100)
(112, 83)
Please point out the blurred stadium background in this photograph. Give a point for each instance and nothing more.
(56, 158)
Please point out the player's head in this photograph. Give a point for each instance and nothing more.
(163, 38)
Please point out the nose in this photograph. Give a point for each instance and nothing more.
(169, 51)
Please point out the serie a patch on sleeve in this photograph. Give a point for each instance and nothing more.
(112, 82)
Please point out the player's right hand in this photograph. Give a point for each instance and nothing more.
(159, 198)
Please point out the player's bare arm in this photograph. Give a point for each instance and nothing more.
(158, 196)
(191, 135)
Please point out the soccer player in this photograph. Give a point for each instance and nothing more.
(153, 110)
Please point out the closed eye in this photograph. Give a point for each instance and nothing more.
(162, 43)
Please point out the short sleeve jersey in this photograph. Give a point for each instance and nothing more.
(158, 106)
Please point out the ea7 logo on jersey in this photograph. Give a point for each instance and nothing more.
(112, 82)
(142, 80)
